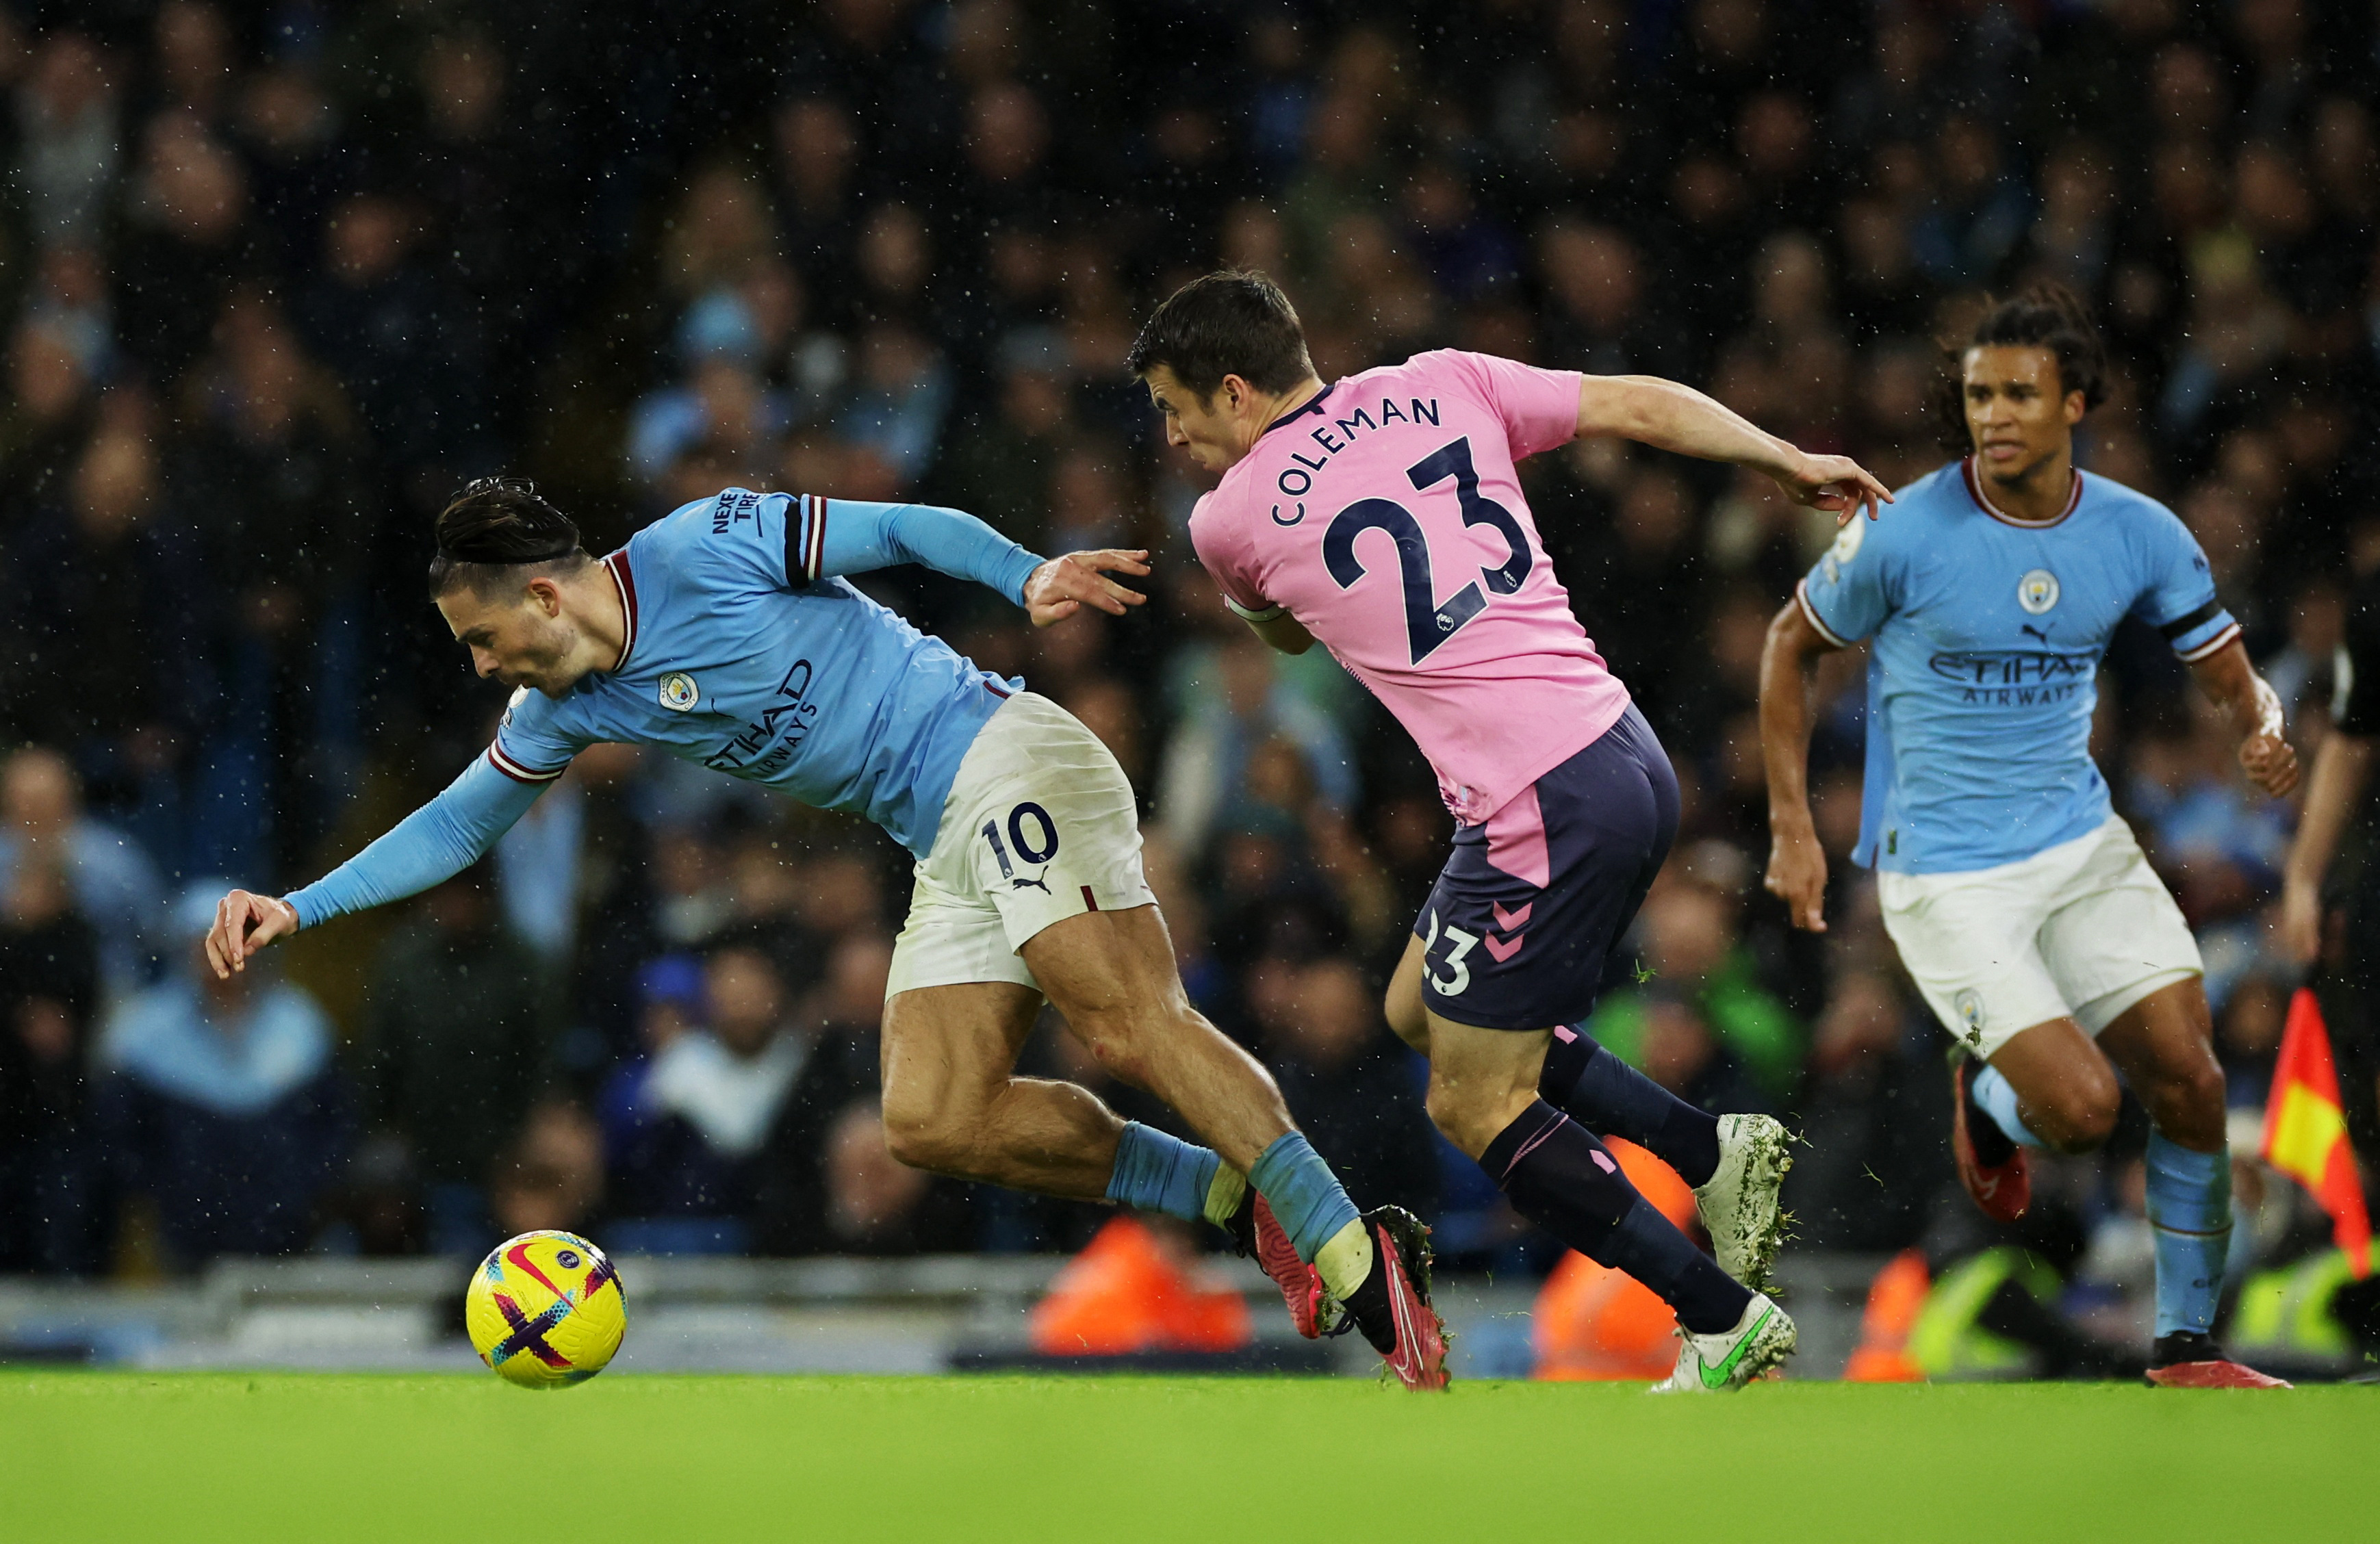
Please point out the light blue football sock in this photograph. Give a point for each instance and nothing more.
(1157, 1172)
(1305, 1197)
(1996, 1096)
(2190, 1210)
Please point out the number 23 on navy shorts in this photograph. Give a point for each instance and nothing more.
(1531, 902)
(1040, 825)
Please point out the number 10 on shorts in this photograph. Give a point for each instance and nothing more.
(1031, 833)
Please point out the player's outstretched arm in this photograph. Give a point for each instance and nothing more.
(1060, 587)
(826, 537)
(2340, 768)
(2228, 679)
(852, 536)
(435, 843)
(1676, 417)
(1797, 864)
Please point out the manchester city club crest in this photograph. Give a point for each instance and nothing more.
(2037, 591)
(1969, 1005)
(679, 693)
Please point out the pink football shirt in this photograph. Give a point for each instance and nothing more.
(1386, 516)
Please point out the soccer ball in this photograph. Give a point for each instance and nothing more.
(545, 1309)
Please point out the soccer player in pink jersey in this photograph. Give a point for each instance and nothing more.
(1382, 515)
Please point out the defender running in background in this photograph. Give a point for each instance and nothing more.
(2019, 901)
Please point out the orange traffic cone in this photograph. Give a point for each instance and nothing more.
(1893, 1301)
(1593, 1323)
(1124, 1292)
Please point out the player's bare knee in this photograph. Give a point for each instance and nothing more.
(2186, 1103)
(2079, 1116)
(1119, 1039)
(2196, 1092)
(1407, 1019)
(925, 1137)
(1460, 1115)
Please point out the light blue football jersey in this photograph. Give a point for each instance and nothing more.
(1983, 676)
(790, 679)
(745, 653)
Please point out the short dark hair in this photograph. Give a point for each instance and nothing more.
(2044, 315)
(1233, 323)
(494, 527)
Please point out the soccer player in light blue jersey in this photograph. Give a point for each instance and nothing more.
(2019, 901)
(723, 635)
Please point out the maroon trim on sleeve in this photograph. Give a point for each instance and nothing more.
(1802, 594)
(814, 537)
(618, 565)
(2212, 646)
(514, 769)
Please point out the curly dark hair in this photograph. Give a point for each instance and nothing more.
(498, 524)
(2046, 315)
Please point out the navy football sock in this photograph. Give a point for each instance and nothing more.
(1560, 1177)
(1606, 1094)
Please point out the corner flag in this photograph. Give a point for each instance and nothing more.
(2305, 1133)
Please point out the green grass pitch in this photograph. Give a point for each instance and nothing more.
(103, 1456)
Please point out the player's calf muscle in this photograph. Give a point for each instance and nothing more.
(1224, 1093)
(1480, 1080)
(1112, 977)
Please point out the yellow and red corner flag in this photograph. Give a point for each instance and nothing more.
(2305, 1133)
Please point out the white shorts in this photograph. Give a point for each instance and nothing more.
(1040, 825)
(2080, 930)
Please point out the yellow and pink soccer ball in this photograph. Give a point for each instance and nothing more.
(545, 1309)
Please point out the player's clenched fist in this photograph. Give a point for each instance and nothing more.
(2265, 756)
(1063, 586)
(246, 922)
(2270, 763)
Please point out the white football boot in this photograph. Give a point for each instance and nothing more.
(1723, 1363)
(1739, 1203)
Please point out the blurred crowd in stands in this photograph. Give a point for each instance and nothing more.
(276, 278)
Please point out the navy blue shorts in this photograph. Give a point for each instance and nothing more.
(1525, 916)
